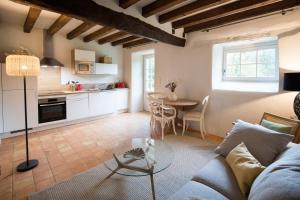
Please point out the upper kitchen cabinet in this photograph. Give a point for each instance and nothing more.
(83, 55)
(16, 82)
(109, 69)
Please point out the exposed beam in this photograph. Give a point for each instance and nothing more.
(137, 43)
(90, 11)
(279, 6)
(80, 29)
(193, 7)
(127, 3)
(99, 33)
(58, 24)
(159, 6)
(222, 11)
(112, 37)
(32, 16)
(124, 40)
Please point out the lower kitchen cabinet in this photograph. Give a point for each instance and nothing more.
(13, 110)
(122, 99)
(102, 103)
(77, 106)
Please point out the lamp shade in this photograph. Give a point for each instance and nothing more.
(291, 81)
(22, 65)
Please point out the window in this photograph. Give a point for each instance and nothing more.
(246, 66)
(149, 73)
(256, 62)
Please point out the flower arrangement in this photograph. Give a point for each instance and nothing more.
(171, 86)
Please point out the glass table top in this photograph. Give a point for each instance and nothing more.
(156, 153)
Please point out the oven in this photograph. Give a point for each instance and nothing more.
(84, 67)
(52, 109)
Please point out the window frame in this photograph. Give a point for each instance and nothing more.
(251, 47)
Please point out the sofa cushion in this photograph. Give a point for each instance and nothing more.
(244, 166)
(196, 191)
(281, 128)
(281, 180)
(264, 144)
(218, 175)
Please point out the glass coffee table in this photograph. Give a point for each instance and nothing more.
(146, 158)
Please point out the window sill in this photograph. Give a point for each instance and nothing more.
(265, 87)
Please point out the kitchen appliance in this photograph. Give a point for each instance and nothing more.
(84, 67)
(48, 52)
(52, 109)
(84, 62)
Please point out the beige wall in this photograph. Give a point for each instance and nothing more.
(12, 37)
(191, 67)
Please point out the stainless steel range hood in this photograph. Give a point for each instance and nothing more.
(48, 52)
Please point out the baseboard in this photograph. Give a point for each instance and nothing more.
(48, 126)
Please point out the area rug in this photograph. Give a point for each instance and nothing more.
(190, 155)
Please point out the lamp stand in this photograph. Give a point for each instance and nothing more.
(297, 105)
(28, 164)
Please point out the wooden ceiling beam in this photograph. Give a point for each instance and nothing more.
(124, 40)
(58, 24)
(127, 3)
(159, 6)
(32, 16)
(112, 37)
(193, 7)
(80, 29)
(99, 33)
(90, 11)
(275, 7)
(136, 43)
(223, 11)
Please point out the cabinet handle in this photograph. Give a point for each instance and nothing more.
(51, 104)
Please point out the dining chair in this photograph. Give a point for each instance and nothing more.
(196, 116)
(161, 113)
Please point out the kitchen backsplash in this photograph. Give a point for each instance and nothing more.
(50, 79)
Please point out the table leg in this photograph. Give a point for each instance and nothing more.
(152, 186)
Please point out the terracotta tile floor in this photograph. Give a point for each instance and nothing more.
(66, 151)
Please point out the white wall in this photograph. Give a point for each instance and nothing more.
(12, 37)
(192, 68)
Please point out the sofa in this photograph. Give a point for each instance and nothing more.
(280, 180)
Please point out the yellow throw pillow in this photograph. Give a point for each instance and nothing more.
(244, 166)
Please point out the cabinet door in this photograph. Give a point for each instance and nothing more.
(77, 108)
(102, 103)
(16, 82)
(13, 110)
(83, 55)
(122, 99)
(111, 69)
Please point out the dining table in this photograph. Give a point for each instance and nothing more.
(181, 105)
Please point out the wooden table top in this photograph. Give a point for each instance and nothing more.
(181, 102)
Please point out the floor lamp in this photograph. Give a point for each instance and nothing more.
(24, 65)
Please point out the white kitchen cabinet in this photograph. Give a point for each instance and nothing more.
(16, 82)
(77, 106)
(122, 98)
(13, 110)
(110, 69)
(102, 103)
(83, 55)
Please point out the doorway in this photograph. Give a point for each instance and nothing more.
(149, 77)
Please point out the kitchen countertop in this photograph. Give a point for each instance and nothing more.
(58, 93)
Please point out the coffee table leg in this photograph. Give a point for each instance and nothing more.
(152, 186)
